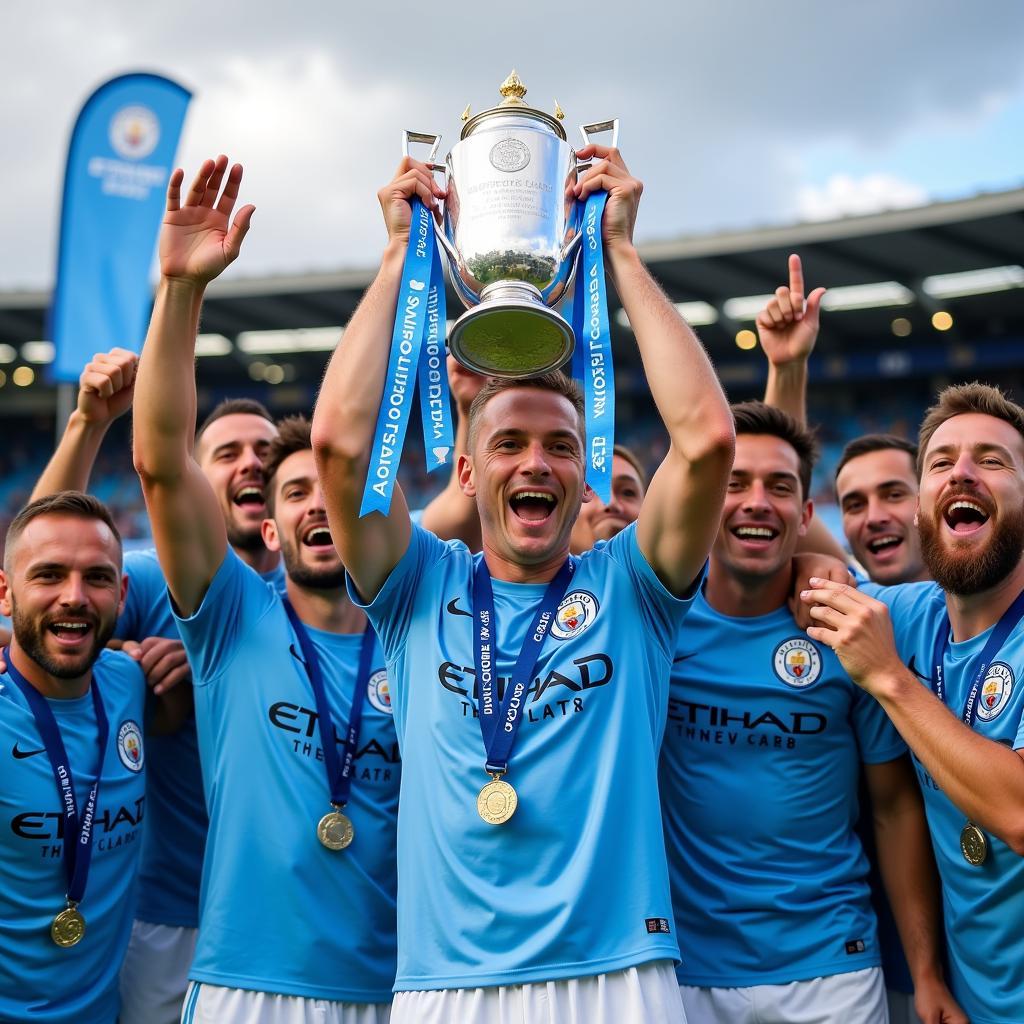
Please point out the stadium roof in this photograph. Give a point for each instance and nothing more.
(899, 253)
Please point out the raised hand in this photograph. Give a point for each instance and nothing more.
(198, 239)
(464, 385)
(610, 173)
(106, 386)
(413, 178)
(787, 326)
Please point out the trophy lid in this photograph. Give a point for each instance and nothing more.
(513, 90)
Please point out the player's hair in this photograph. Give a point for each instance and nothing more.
(634, 460)
(958, 399)
(293, 435)
(555, 381)
(63, 503)
(233, 407)
(867, 443)
(758, 418)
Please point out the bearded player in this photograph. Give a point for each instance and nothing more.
(543, 897)
(945, 660)
(296, 739)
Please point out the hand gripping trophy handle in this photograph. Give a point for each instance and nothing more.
(588, 130)
(433, 141)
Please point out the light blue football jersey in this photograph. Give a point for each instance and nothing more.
(759, 778)
(984, 905)
(576, 882)
(278, 911)
(38, 980)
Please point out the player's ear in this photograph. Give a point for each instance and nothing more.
(5, 596)
(270, 535)
(125, 584)
(467, 476)
(588, 493)
(805, 517)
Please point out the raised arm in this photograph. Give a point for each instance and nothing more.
(346, 410)
(683, 505)
(197, 241)
(452, 515)
(105, 391)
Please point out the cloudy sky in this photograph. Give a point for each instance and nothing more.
(734, 112)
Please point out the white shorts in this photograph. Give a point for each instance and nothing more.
(854, 998)
(154, 974)
(212, 1004)
(901, 1008)
(647, 994)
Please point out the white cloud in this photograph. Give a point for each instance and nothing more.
(846, 196)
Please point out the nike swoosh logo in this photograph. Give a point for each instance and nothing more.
(20, 755)
(295, 654)
(684, 657)
(913, 668)
(454, 609)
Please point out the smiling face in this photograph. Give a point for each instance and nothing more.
(63, 590)
(299, 527)
(765, 513)
(230, 454)
(971, 515)
(598, 521)
(877, 493)
(526, 472)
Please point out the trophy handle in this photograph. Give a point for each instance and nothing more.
(588, 130)
(426, 139)
(433, 141)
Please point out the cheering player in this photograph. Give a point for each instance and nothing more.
(944, 659)
(72, 799)
(760, 766)
(230, 447)
(292, 707)
(542, 896)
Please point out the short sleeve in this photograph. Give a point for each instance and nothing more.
(391, 610)
(877, 737)
(146, 600)
(233, 606)
(662, 611)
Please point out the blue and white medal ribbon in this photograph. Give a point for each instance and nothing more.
(592, 356)
(973, 842)
(335, 830)
(500, 719)
(68, 926)
(420, 295)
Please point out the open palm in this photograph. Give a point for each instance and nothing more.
(198, 240)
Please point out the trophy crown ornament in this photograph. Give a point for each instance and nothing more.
(513, 90)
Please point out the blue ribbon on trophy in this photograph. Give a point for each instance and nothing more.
(592, 356)
(421, 317)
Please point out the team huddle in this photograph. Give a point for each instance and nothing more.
(521, 756)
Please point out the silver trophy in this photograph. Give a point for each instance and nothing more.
(511, 231)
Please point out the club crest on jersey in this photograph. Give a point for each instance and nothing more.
(129, 746)
(995, 691)
(576, 612)
(797, 662)
(379, 692)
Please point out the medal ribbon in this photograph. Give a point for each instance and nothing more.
(592, 356)
(421, 311)
(339, 771)
(77, 831)
(499, 724)
(1009, 619)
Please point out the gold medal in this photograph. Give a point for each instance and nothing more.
(497, 802)
(335, 831)
(973, 844)
(68, 927)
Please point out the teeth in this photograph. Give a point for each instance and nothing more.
(755, 531)
(320, 532)
(968, 505)
(246, 492)
(71, 625)
(883, 542)
(536, 494)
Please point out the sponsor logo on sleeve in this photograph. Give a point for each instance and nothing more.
(797, 662)
(995, 691)
(575, 614)
(129, 746)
